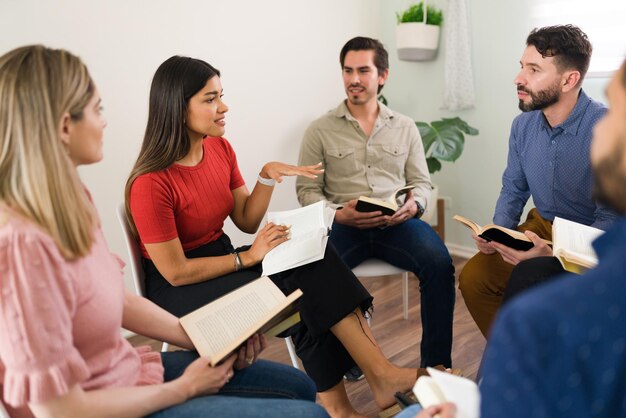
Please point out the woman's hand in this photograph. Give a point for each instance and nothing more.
(276, 170)
(444, 410)
(250, 351)
(199, 378)
(270, 236)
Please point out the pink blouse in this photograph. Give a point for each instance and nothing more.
(60, 321)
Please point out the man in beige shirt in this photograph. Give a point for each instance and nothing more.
(368, 149)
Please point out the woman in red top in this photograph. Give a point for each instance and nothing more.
(62, 295)
(186, 182)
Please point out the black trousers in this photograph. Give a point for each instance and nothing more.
(330, 293)
(530, 273)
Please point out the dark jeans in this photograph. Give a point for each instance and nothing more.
(530, 273)
(412, 245)
(265, 389)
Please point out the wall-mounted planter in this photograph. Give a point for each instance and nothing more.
(417, 41)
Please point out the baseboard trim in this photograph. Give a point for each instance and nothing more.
(461, 250)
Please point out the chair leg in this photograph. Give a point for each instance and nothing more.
(165, 347)
(292, 353)
(405, 294)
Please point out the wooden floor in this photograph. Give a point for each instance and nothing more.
(398, 338)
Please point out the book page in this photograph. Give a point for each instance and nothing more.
(214, 326)
(573, 240)
(460, 390)
(470, 224)
(309, 231)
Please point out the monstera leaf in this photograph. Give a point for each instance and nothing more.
(444, 140)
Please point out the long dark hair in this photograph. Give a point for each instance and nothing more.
(166, 139)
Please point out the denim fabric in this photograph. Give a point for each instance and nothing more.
(412, 245)
(409, 412)
(265, 389)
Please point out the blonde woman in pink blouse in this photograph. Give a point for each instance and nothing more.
(62, 297)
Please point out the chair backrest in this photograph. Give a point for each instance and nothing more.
(134, 253)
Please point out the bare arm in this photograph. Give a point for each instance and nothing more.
(169, 257)
(251, 207)
(144, 317)
(198, 379)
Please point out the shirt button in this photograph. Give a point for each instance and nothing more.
(372, 185)
(553, 141)
(369, 166)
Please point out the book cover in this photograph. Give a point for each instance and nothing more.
(505, 236)
(222, 326)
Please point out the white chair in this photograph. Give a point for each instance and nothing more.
(376, 267)
(137, 272)
(134, 255)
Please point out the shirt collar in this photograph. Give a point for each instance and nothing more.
(607, 241)
(572, 123)
(384, 113)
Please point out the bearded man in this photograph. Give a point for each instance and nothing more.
(548, 159)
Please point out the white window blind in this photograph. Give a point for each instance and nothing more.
(604, 22)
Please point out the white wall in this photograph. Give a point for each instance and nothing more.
(279, 61)
(498, 33)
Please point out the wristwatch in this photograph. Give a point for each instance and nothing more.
(420, 210)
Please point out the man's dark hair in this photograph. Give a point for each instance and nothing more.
(569, 46)
(361, 43)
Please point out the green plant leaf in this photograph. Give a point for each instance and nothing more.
(415, 13)
(433, 165)
(428, 134)
(461, 125)
(449, 142)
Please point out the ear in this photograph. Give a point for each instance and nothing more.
(65, 127)
(382, 77)
(570, 80)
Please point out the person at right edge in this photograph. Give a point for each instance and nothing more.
(548, 159)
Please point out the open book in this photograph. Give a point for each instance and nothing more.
(572, 245)
(387, 206)
(442, 387)
(222, 326)
(309, 235)
(505, 236)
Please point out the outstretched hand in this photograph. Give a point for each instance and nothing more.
(276, 170)
(511, 256)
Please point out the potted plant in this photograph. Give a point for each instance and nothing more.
(443, 140)
(417, 33)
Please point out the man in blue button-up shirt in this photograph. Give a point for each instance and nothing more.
(548, 160)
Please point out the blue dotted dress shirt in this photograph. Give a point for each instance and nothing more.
(552, 165)
(559, 350)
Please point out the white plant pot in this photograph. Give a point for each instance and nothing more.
(430, 214)
(417, 41)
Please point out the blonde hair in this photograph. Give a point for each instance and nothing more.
(39, 85)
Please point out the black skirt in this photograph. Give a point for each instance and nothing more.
(330, 293)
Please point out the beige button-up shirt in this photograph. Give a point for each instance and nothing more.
(356, 165)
